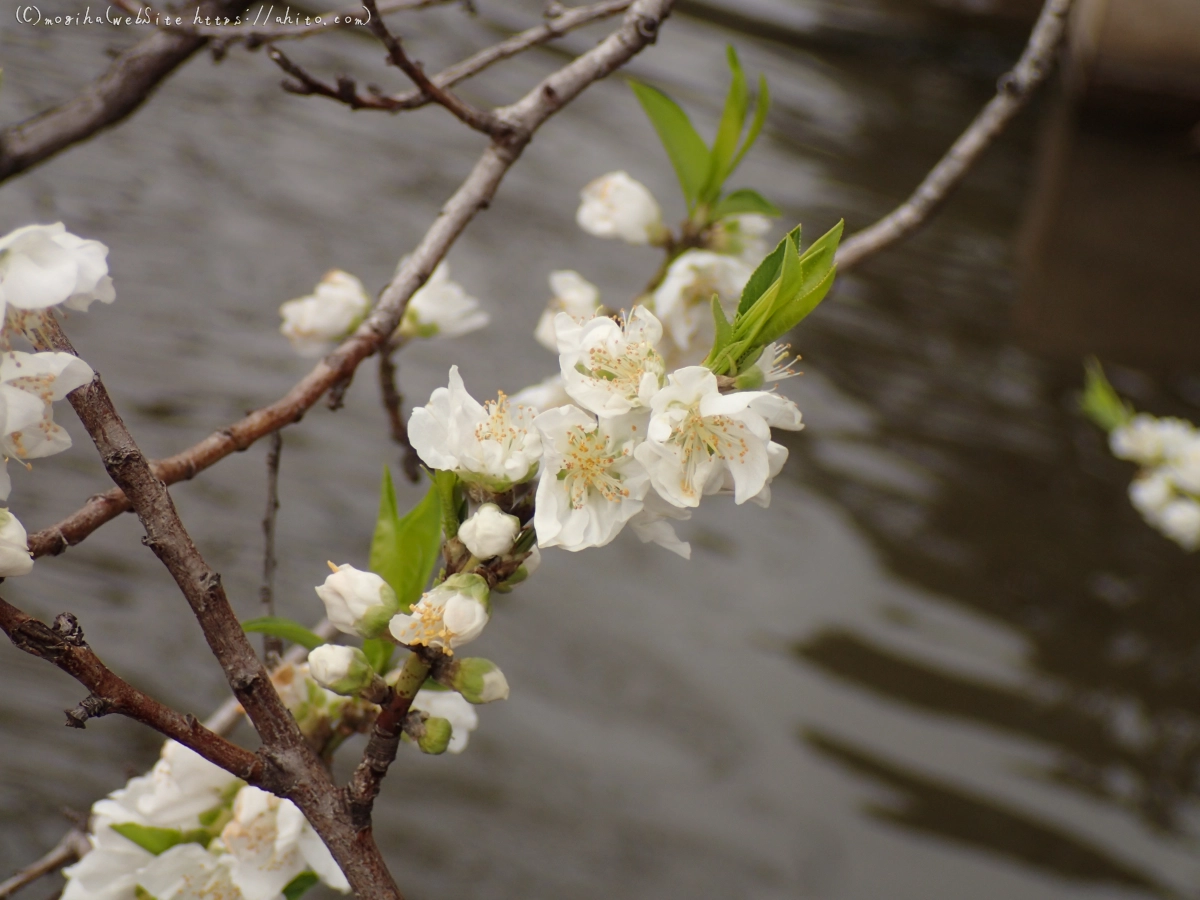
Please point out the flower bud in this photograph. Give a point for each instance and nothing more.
(449, 707)
(478, 680)
(343, 670)
(616, 206)
(314, 323)
(489, 532)
(358, 602)
(436, 738)
(15, 558)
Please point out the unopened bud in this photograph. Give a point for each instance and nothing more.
(436, 737)
(489, 532)
(358, 602)
(343, 670)
(477, 680)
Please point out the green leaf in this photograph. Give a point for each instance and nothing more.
(299, 885)
(405, 550)
(724, 332)
(744, 200)
(760, 116)
(767, 272)
(149, 838)
(1100, 402)
(379, 654)
(805, 287)
(729, 131)
(287, 629)
(685, 148)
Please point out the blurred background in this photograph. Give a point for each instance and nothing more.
(950, 661)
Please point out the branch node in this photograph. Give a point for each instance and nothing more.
(68, 628)
(91, 707)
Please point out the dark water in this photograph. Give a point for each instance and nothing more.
(948, 662)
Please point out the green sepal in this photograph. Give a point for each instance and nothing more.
(159, 840)
(685, 148)
(744, 200)
(140, 893)
(436, 737)
(299, 885)
(285, 628)
(405, 550)
(1100, 402)
(379, 654)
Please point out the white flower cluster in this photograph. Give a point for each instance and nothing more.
(617, 206)
(1167, 490)
(632, 431)
(209, 836)
(316, 323)
(41, 267)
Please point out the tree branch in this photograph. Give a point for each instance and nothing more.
(73, 846)
(64, 646)
(1013, 92)
(131, 78)
(272, 644)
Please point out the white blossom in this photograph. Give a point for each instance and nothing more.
(683, 301)
(449, 705)
(698, 435)
(343, 670)
(452, 614)
(45, 265)
(15, 558)
(1147, 439)
(189, 872)
(29, 382)
(651, 525)
(270, 843)
(617, 206)
(611, 368)
(315, 323)
(1183, 467)
(742, 236)
(489, 532)
(591, 484)
(1180, 521)
(441, 308)
(185, 786)
(357, 602)
(572, 294)
(492, 444)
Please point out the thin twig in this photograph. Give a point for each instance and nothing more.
(556, 27)
(1012, 93)
(73, 846)
(308, 85)
(393, 404)
(272, 644)
(478, 119)
(116, 94)
(346, 89)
